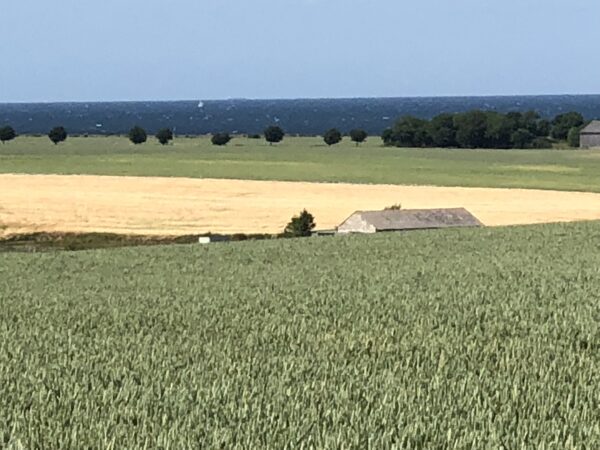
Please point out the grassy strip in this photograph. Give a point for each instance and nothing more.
(44, 242)
(307, 159)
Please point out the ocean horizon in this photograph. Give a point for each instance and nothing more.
(303, 116)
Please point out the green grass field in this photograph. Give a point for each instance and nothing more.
(486, 338)
(307, 159)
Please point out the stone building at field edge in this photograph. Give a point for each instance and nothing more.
(407, 219)
(590, 135)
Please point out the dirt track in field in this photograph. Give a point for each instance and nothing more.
(172, 206)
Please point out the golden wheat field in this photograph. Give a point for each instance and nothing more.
(174, 206)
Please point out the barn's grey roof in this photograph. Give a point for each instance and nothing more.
(419, 219)
(592, 128)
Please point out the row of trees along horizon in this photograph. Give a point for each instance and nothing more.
(473, 129)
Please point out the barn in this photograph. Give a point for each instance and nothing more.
(590, 135)
(407, 219)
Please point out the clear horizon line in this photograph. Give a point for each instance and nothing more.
(298, 98)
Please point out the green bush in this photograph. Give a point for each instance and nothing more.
(387, 137)
(358, 136)
(564, 122)
(522, 138)
(332, 137)
(541, 143)
(164, 136)
(573, 138)
(395, 207)
(57, 134)
(300, 225)
(137, 135)
(7, 133)
(443, 131)
(274, 134)
(220, 139)
(411, 131)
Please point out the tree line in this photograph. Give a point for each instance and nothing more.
(485, 129)
(138, 135)
(473, 129)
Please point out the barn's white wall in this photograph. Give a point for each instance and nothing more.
(356, 224)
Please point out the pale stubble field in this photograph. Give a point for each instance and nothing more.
(175, 206)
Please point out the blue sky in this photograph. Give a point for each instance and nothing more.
(86, 50)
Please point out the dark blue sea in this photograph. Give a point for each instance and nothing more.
(300, 116)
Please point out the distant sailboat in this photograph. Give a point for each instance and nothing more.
(201, 104)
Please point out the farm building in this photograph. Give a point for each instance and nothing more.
(590, 135)
(409, 219)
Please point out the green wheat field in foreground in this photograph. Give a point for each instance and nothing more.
(485, 338)
(306, 159)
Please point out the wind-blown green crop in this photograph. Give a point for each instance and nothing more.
(476, 339)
